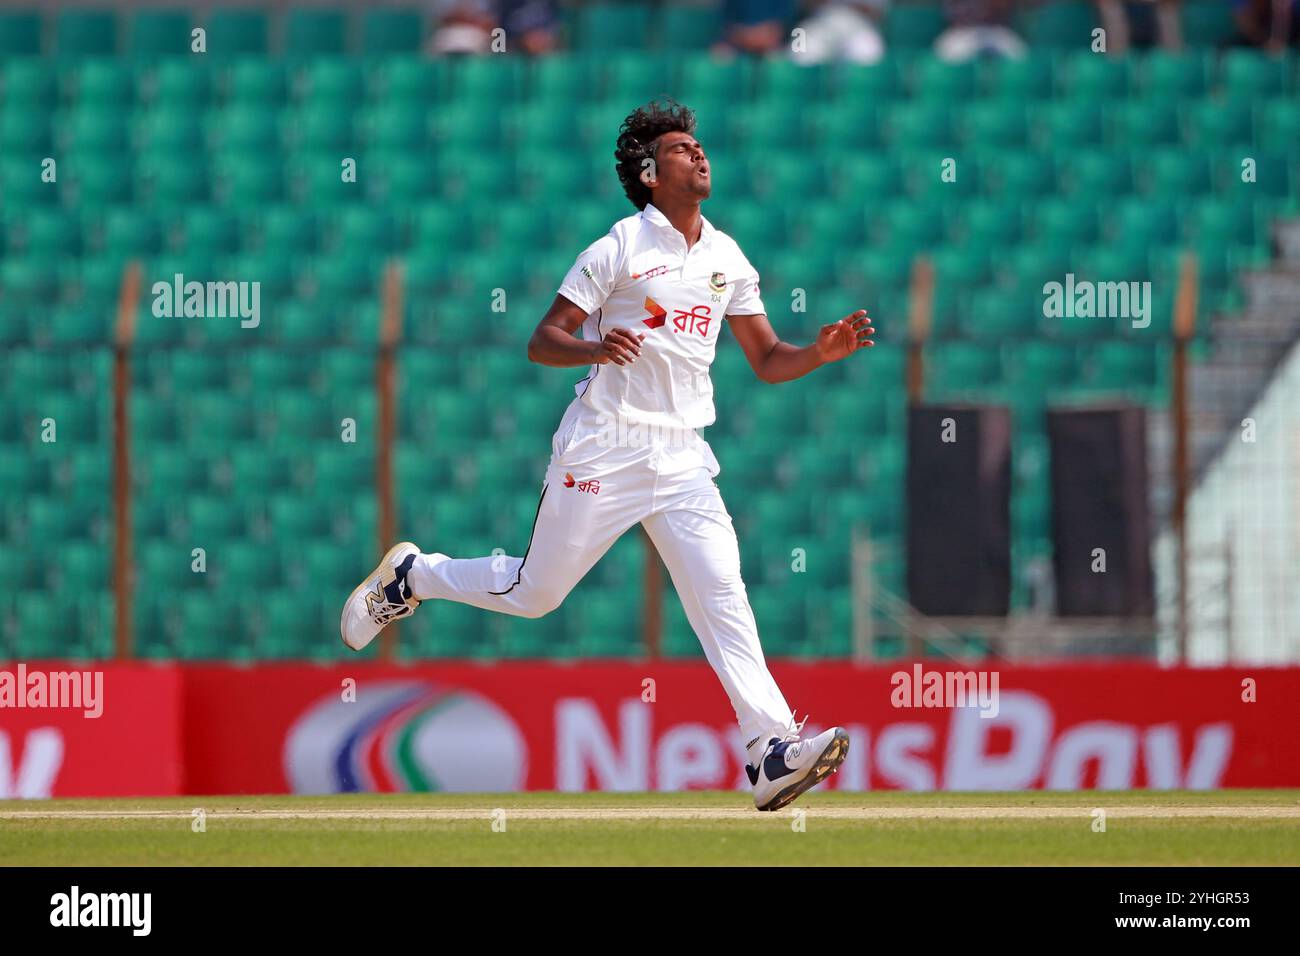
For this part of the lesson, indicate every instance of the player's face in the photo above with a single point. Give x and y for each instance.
(681, 166)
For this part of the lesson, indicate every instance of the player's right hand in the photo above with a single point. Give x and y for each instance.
(620, 346)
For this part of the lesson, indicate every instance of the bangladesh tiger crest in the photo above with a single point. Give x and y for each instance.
(717, 282)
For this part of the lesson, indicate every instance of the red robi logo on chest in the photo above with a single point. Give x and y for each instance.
(657, 314)
(696, 319)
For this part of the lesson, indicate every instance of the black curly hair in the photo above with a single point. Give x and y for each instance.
(638, 139)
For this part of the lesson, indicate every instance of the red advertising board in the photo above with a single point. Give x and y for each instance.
(668, 726)
(81, 730)
(301, 728)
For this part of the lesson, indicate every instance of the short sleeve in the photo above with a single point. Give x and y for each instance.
(745, 299)
(591, 279)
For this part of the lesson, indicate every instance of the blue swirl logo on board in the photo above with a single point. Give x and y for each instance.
(405, 736)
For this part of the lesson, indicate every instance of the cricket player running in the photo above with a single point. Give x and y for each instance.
(649, 298)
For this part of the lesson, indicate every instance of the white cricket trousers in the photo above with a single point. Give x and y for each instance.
(600, 482)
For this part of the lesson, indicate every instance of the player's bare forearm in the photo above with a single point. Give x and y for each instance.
(786, 362)
(553, 342)
(557, 348)
(775, 361)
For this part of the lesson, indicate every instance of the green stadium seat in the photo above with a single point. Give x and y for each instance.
(254, 82)
(702, 79)
(911, 228)
(865, 84)
(1066, 221)
(327, 566)
(236, 32)
(1097, 78)
(322, 127)
(131, 232)
(935, 79)
(1279, 124)
(563, 76)
(50, 521)
(1206, 23)
(314, 32)
(206, 628)
(1021, 79)
(913, 26)
(20, 475)
(349, 469)
(961, 365)
(51, 233)
(1122, 365)
(44, 633)
(29, 86)
(159, 33)
(1062, 26)
(1225, 221)
(919, 124)
(413, 80)
(91, 130)
(1000, 313)
(1003, 122)
(78, 325)
(330, 81)
(1174, 172)
(171, 181)
(398, 126)
(1214, 125)
(84, 32)
(173, 129)
(20, 33)
(389, 31)
(1088, 173)
(249, 181)
(1249, 74)
(1070, 123)
(684, 26)
(214, 416)
(293, 517)
(1037, 366)
(792, 82)
(1144, 123)
(1175, 76)
(177, 84)
(614, 26)
(22, 185)
(1018, 175)
(488, 81)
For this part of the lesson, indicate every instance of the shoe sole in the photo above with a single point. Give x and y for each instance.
(386, 562)
(826, 764)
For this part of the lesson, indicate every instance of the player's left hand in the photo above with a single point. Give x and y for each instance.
(839, 339)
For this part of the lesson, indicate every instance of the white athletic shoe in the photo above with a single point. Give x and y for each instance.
(382, 597)
(789, 766)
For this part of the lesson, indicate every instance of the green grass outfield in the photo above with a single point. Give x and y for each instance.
(1259, 827)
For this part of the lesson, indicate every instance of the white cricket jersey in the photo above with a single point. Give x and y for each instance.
(641, 277)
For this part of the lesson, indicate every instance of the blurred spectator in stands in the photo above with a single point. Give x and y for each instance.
(530, 25)
(1140, 24)
(757, 27)
(842, 30)
(464, 26)
(977, 28)
(1268, 24)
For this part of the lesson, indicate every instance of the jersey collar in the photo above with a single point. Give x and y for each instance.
(653, 216)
